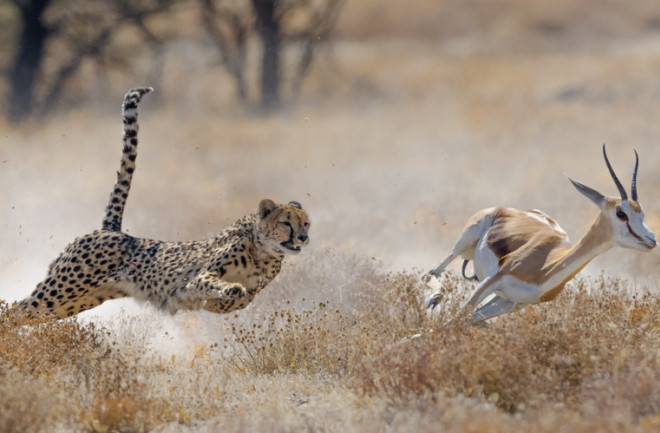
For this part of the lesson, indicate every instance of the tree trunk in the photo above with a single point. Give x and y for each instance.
(28, 59)
(269, 30)
(232, 56)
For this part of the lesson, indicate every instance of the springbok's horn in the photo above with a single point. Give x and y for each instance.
(633, 189)
(622, 191)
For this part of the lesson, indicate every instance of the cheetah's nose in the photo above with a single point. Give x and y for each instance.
(302, 238)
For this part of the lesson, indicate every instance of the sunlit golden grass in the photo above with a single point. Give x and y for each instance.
(588, 360)
(585, 344)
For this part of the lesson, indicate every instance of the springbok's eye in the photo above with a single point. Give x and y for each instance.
(621, 215)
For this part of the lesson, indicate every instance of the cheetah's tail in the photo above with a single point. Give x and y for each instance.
(115, 208)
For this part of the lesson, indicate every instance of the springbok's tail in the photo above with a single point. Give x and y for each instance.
(115, 209)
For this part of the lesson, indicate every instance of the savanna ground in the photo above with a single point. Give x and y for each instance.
(422, 113)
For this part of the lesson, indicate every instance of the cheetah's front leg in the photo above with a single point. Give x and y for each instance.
(232, 296)
(219, 296)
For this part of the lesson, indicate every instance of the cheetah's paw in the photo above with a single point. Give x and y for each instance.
(235, 291)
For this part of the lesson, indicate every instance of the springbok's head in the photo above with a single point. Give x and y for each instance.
(625, 215)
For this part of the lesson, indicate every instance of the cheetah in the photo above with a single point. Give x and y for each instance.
(220, 274)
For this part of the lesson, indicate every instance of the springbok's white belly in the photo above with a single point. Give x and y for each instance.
(518, 291)
(485, 261)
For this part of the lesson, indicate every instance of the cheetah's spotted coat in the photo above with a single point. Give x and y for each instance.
(221, 274)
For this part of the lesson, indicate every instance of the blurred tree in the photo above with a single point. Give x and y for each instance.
(305, 23)
(228, 28)
(268, 24)
(58, 36)
(29, 57)
(67, 32)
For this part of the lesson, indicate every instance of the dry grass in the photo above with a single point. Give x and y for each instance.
(588, 361)
(455, 107)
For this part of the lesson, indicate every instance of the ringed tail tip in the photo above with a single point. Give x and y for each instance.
(141, 91)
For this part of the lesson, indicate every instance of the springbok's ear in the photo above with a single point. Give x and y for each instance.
(593, 195)
(295, 204)
(266, 207)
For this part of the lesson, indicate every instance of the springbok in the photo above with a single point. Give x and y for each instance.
(523, 257)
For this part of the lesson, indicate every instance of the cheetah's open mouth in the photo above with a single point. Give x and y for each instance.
(288, 245)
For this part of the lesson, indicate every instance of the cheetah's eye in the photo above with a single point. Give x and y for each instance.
(621, 215)
(287, 223)
(306, 224)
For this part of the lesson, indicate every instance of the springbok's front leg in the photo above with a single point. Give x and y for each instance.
(493, 308)
(485, 289)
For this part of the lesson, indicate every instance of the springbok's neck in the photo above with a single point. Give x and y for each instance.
(571, 260)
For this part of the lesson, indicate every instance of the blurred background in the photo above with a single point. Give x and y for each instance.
(391, 122)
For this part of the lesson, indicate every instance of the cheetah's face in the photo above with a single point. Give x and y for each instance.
(283, 228)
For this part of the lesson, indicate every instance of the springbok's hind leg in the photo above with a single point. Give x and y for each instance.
(465, 246)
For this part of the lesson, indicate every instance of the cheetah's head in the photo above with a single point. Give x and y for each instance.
(283, 228)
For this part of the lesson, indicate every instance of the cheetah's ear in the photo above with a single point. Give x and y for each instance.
(295, 204)
(266, 207)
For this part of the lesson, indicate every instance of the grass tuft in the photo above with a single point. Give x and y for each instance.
(590, 354)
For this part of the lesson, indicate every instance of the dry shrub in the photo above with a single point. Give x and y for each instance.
(42, 345)
(61, 371)
(33, 354)
(595, 343)
(592, 354)
(29, 404)
(330, 337)
(289, 341)
(581, 346)
(127, 412)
